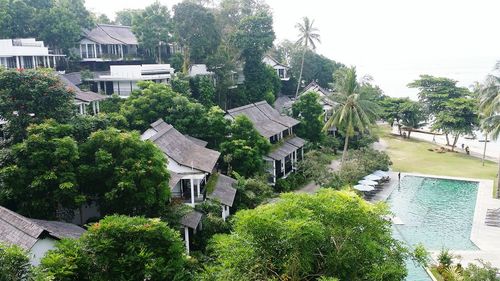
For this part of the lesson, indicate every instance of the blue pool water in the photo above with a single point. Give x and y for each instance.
(435, 212)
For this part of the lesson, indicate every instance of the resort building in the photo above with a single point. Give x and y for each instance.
(87, 102)
(108, 42)
(287, 148)
(26, 53)
(324, 97)
(189, 162)
(35, 236)
(281, 69)
(122, 79)
(224, 193)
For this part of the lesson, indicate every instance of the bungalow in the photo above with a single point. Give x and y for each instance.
(278, 129)
(26, 53)
(122, 79)
(189, 162)
(87, 102)
(35, 236)
(224, 193)
(281, 69)
(108, 42)
(324, 97)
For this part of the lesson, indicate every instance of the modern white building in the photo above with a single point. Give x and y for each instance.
(108, 42)
(35, 236)
(26, 53)
(122, 79)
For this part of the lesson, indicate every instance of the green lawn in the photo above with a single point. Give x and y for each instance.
(413, 156)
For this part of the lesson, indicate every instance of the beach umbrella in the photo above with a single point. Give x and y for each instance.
(363, 188)
(373, 177)
(368, 182)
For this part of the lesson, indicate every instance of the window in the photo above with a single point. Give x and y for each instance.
(281, 73)
(83, 48)
(91, 51)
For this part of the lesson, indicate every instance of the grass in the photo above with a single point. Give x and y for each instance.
(413, 156)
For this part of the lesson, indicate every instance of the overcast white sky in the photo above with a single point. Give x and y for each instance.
(392, 40)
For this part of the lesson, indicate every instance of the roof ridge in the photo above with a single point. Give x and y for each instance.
(240, 108)
(24, 219)
(109, 34)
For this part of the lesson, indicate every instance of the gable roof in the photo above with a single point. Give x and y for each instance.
(266, 120)
(180, 148)
(16, 229)
(224, 191)
(191, 219)
(269, 60)
(111, 34)
(313, 86)
(85, 96)
(287, 148)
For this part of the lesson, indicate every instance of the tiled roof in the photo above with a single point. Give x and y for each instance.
(112, 34)
(16, 229)
(191, 219)
(224, 191)
(180, 148)
(287, 148)
(85, 96)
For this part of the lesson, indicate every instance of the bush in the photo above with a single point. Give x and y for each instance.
(14, 263)
(292, 182)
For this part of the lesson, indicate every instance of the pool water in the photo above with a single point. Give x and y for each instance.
(435, 212)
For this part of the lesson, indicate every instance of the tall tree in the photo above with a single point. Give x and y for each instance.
(30, 97)
(254, 37)
(196, 30)
(309, 111)
(308, 37)
(354, 111)
(490, 107)
(412, 115)
(153, 28)
(307, 237)
(119, 248)
(126, 175)
(42, 178)
(125, 17)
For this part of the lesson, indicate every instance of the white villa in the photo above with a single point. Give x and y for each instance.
(122, 79)
(281, 69)
(35, 236)
(278, 129)
(26, 53)
(108, 42)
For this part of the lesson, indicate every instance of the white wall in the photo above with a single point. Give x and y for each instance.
(40, 248)
(7, 49)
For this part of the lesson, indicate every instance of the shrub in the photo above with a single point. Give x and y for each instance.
(292, 182)
(14, 263)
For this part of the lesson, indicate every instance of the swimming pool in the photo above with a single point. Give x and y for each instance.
(435, 212)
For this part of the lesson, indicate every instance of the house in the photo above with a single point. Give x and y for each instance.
(189, 163)
(26, 53)
(122, 79)
(191, 222)
(224, 193)
(283, 104)
(324, 98)
(35, 236)
(108, 42)
(281, 69)
(278, 129)
(87, 102)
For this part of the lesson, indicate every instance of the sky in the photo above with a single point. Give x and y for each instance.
(394, 41)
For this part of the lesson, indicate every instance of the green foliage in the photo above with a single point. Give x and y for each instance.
(308, 37)
(308, 111)
(203, 90)
(152, 26)
(14, 263)
(30, 97)
(482, 272)
(251, 192)
(412, 115)
(42, 176)
(84, 125)
(111, 104)
(196, 30)
(315, 167)
(181, 85)
(445, 258)
(243, 150)
(459, 117)
(293, 182)
(421, 255)
(391, 109)
(303, 235)
(119, 248)
(126, 17)
(126, 174)
(176, 61)
(216, 127)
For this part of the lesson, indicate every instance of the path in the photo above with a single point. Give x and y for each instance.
(312, 187)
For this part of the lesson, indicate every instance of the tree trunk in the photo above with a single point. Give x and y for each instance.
(159, 53)
(346, 144)
(399, 129)
(409, 132)
(484, 149)
(301, 69)
(455, 142)
(447, 139)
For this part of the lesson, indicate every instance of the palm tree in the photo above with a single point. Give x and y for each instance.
(308, 36)
(354, 111)
(490, 106)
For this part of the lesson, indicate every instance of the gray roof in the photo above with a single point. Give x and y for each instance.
(174, 178)
(16, 229)
(266, 120)
(85, 96)
(287, 148)
(191, 219)
(197, 141)
(111, 34)
(283, 104)
(180, 148)
(224, 191)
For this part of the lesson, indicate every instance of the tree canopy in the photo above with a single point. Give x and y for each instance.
(308, 111)
(119, 248)
(303, 236)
